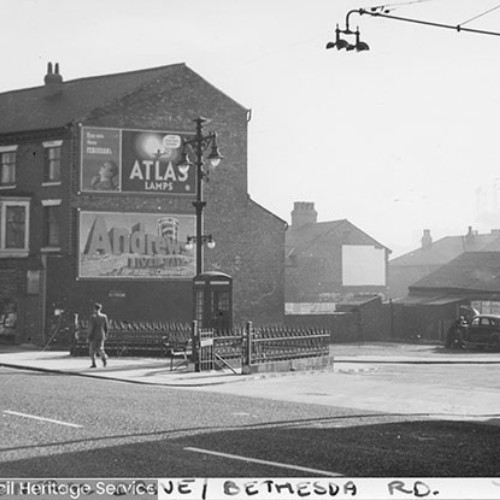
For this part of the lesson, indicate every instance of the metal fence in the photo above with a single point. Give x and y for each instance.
(136, 338)
(210, 349)
(250, 347)
(272, 344)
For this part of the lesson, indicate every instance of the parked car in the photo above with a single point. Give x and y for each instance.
(482, 331)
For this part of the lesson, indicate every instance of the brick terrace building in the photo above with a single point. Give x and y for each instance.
(94, 206)
(411, 267)
(329, 262)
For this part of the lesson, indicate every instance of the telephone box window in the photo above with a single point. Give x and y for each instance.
(199, 297)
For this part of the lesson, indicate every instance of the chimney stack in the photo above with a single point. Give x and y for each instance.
(53, 80)
(303, 213)
(469, 237)
(426, 239)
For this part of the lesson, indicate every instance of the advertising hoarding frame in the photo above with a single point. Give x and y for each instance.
(98, 240)
(105, 153)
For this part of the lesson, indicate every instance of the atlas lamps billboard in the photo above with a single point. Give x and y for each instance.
(134, 161)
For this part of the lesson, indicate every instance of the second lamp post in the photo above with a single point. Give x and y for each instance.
(197, 146)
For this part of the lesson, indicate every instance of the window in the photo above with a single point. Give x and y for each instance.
(199, 301)
(51, 224)
(14, 227)
(8, 166)
(484, 322)
(52, 166)
(15, 223)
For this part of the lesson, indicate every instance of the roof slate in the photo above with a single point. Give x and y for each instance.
(301, 238)
(478, 271)
(40, 108)
(446, 249)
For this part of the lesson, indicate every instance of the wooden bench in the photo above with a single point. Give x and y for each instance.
(178, 348)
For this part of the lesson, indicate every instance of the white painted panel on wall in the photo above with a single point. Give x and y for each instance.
(363, 265)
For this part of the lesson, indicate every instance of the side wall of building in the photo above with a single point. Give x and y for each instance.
(315, 273)
(249, 239)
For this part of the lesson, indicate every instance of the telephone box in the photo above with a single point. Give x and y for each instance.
(213, 300)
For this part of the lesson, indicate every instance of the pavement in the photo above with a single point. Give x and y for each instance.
(345, 358)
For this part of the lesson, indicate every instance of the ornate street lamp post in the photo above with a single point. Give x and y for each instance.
(198, 146)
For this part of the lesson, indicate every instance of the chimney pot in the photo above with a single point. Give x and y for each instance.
(303, 213)
(426, 239)
(53, 79)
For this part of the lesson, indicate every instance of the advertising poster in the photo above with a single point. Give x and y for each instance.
(134, 161)
(135, 245)
(100, 159)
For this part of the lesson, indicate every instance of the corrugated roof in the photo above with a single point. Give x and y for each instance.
(478, 271)
(446, 249)
(38, 108)
(438, 300)
(358, 299)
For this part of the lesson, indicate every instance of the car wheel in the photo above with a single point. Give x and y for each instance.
(495, 339)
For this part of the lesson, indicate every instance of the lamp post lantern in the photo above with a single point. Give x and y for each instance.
(197, 146)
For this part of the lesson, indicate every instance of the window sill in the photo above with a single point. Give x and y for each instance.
(50, 249)
(51, 183)
(10, 253)
(8, 186)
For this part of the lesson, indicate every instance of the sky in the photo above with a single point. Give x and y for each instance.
(396, 139)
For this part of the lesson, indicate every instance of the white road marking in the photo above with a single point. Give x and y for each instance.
(265, 462)
(42, 418)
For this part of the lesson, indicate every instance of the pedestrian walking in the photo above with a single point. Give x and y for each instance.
(456, 334)
(98, 330)
(461, 328)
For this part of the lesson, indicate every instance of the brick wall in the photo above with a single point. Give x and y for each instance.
(249, 240)
(251, 250)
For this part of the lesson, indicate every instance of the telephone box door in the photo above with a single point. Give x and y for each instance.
(213, 300)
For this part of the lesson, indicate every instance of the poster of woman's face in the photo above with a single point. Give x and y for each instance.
(100, 159)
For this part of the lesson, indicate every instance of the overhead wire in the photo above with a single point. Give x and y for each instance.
(392, 6)
(384, 11)
(480, 15)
